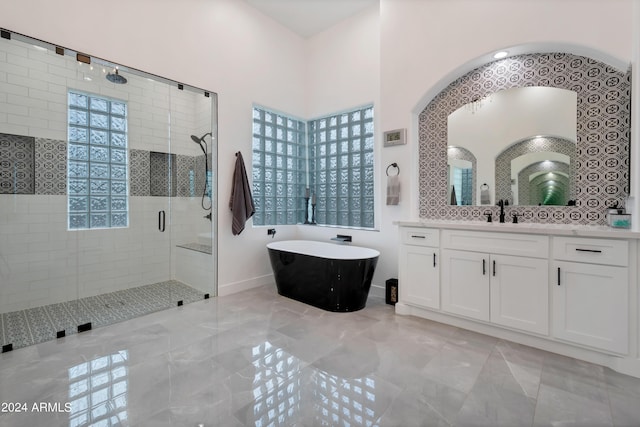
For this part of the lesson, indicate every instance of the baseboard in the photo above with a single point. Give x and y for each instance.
(377, 291)
(243, 285)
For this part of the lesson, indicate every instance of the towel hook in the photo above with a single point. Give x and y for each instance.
(395, 165)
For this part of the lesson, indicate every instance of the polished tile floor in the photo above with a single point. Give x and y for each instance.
(258, 359)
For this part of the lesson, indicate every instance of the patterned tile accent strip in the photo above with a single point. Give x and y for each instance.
(163, 174)
(17, 164)
(39, 166)
(603, 134)
(34, 325)
(139, 165)
(51, 166)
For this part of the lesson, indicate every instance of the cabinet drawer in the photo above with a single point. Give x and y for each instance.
(530, 245)
(594, 251)
(420, 236)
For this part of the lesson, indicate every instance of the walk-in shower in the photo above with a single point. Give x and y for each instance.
(100, 193)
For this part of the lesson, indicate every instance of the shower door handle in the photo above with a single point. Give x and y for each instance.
(161, 221)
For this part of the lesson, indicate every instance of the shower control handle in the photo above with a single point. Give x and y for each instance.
(162, 221)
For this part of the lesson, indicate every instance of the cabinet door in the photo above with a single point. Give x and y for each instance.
(465, 283)
(520, 293)
(590, 305)
(419, 281)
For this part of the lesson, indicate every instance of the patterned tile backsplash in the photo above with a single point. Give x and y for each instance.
(603, 134)
(31, 165)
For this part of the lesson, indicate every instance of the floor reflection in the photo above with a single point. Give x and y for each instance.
(349, 404)
(98, 391)
(287, 390)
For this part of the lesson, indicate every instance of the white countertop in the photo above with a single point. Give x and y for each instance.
(527, 228)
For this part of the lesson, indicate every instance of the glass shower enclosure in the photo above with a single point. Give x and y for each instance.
(107, 198)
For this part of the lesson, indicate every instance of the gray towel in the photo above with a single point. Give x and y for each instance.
(241, 202)
(393, 190)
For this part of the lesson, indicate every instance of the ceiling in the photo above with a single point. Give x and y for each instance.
(310, 17)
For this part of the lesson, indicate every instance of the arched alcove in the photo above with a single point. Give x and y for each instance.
(602, 130)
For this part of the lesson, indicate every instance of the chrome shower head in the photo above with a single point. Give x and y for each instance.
(200, 142)
(116, 78)
(201, 139)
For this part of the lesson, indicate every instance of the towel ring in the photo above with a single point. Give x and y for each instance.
(484, 186)
(395, 165)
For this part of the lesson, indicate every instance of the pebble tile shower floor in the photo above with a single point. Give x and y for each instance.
(35, 325)
(256, 358)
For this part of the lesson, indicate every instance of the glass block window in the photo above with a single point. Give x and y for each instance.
(279, 168)
(341, 168)
(97, 162)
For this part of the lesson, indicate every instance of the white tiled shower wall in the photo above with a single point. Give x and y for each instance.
(41, 262)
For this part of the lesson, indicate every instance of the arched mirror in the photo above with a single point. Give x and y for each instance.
(513, 129)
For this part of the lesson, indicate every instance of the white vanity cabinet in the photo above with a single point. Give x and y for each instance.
(568, 289)
(591, 292)
(419, 273)
(482, 279)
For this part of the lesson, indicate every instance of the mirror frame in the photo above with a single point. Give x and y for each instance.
(603, 134)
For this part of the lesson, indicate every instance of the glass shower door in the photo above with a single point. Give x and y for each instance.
(193, 141)
(118, 195)
(103, 182)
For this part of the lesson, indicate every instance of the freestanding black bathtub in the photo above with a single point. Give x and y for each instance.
(326, 275)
